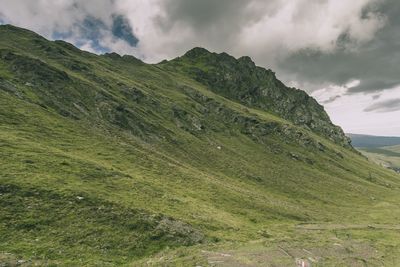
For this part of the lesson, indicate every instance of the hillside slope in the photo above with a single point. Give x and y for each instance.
(107, 160)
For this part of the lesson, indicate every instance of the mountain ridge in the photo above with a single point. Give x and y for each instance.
(241, 80)
(279, 99)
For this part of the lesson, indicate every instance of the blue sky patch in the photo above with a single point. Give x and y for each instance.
(123, 30)
(92, 30)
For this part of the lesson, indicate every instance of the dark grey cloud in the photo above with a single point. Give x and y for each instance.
(370, 85)
(215, 24)
(375, 97)
(384, 106)
(203, 14)
(376, 63)
(206, 15)
(331, 99)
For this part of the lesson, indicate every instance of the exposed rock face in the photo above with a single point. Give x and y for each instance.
(243, 81)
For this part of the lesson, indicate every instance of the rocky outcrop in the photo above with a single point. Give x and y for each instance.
(241, 80)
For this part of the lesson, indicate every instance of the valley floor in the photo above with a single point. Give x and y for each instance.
(388, 157)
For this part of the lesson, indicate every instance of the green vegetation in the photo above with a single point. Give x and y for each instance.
(106, 160)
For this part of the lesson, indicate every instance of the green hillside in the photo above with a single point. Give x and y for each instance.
(204, 160)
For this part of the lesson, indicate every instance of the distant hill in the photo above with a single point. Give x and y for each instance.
(384, 150)
(362, 140)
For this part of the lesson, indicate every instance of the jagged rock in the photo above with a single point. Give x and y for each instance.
(243, 81)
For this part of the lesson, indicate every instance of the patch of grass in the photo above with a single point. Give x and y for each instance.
(64, 226)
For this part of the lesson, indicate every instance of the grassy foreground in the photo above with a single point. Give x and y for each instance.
(107, 161)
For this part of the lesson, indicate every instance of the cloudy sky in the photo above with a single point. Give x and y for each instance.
(344, 53)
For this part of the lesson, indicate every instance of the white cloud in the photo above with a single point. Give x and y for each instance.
(305, 24)
(348, 111)
(155, 44)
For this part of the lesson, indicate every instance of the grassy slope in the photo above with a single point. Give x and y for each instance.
(113, 181)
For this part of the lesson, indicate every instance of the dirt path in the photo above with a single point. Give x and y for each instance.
(282, 255)
(347, 226)
(314, 245)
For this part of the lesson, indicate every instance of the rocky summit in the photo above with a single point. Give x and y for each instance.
(202, 160)
(241, 80)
